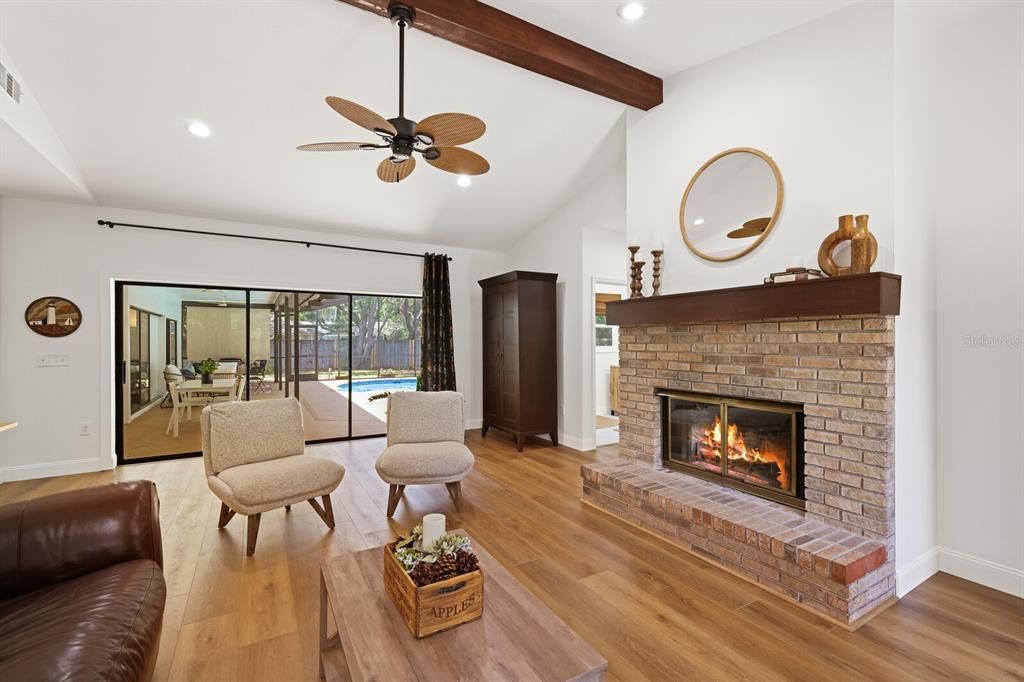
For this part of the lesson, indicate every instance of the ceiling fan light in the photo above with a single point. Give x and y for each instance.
(464, 181)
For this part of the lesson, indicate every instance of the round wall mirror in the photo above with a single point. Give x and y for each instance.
(731, 204)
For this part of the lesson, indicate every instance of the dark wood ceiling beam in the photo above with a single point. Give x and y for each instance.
(488, 30)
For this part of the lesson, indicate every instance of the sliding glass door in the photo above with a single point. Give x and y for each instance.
(339, 354)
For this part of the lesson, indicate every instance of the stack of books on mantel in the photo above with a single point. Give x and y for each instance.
(793, 275)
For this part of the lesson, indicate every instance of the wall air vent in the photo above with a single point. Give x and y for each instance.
(9, 84)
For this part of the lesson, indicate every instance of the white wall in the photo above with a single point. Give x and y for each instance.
(817, 99)
(58, 249)
(870, 110)
(916, 457)
(574, 242)
(978, 147)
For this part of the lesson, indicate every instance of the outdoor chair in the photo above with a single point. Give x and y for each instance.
(426, 444)
(254, 455)
(258, 373)
(181, 405)
(172, 375)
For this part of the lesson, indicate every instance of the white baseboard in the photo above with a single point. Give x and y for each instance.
(23, 472)
(474, 423)
(917, 571)
(982, 571)
(578, 444)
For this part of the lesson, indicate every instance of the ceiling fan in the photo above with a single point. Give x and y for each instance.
(436, 138)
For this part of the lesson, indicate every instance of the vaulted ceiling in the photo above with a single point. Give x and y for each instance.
(119, 82)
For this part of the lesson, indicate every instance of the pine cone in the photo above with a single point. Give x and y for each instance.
(424, 573)
(465, 562)
(446, 567)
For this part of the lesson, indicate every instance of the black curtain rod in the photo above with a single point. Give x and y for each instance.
(307, 244)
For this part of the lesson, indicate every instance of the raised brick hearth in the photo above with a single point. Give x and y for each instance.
(837, 556)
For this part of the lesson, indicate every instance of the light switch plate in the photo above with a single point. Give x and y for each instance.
(51, 360)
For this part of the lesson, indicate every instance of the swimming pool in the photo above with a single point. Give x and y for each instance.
(379, 385)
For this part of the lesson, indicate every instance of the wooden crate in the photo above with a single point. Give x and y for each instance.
(436, 607)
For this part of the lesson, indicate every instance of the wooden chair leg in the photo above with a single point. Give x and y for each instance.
(326, 512)
(394, 494)
(252, 530)
(287, 507)
(455, 490)
(329, 516)
(226, 513)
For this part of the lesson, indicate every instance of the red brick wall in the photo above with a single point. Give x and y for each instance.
(840, 369)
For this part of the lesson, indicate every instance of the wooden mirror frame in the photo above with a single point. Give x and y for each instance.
(779, 194)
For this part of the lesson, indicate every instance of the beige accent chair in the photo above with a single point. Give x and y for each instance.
(426, 444)
(254, 454)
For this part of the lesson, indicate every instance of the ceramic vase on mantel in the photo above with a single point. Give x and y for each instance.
(863, 247)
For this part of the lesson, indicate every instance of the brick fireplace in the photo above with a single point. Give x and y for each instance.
(837, 555)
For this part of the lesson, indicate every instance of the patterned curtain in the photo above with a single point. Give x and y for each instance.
(438, 371)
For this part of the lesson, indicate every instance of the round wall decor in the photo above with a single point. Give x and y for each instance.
(53, 316)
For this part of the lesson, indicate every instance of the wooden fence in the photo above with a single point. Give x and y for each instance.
(333, 355)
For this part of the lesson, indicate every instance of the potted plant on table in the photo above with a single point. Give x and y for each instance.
(207, 367)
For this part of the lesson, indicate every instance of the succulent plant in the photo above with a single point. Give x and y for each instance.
(450, 556)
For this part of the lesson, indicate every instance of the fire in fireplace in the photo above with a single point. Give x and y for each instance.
(755, 446)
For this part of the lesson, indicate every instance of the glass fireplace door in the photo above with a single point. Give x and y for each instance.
(748, 444)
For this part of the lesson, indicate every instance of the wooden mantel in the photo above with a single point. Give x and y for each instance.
(874, 293)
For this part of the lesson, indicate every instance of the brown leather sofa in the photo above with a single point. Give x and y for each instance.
(81, 585)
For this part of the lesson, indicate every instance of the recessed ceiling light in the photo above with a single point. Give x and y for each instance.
(698, 221)
(199, 129)
(631, 11)
(464, 181)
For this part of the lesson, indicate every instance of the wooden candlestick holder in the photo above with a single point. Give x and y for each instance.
(637, 280)
(656, 272)
(635, 277)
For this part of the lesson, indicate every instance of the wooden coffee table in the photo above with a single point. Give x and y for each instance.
(518, 637)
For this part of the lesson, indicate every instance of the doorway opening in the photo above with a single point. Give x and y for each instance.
(606, 363)
(339, 354)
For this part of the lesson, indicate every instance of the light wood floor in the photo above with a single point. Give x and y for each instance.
(324, 416)
(654, 611)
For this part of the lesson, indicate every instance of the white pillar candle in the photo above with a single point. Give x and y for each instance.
(433, 529)
(657, 242)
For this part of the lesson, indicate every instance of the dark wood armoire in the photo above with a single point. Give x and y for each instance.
(520, 373)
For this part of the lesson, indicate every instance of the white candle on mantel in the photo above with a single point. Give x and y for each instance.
(657, 242)
(433, 529)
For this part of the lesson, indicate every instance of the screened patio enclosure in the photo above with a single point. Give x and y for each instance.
(337, 353)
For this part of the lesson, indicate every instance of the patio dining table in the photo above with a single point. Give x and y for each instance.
(189, 389)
